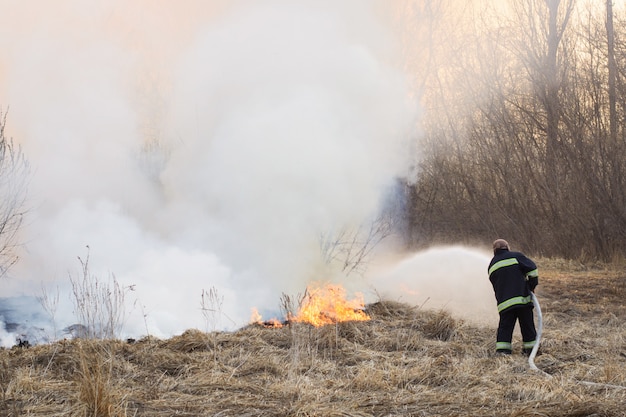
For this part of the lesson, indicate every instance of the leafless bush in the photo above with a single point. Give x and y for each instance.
(211, 306)
(50, 302)
(14, 172)
(290, 305)
(352, 246)
(302, 336)
(99, 306)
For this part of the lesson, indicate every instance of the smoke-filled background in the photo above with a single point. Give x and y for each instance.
(205, 145)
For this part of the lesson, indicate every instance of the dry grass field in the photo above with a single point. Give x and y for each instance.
(405, 361)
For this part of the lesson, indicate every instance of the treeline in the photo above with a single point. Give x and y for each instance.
(524, 132)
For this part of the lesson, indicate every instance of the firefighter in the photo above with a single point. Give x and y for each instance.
(513, 277)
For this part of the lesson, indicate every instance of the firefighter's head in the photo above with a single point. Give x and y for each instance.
(500, 244)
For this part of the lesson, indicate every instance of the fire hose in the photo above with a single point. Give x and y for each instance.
(533, 353)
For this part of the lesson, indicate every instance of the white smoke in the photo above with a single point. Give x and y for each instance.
(199, 147)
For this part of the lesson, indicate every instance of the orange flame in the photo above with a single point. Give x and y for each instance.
(257, 319)
(322, 306)
(328, 305)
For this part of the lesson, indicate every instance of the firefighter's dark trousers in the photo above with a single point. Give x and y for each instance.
(524, 315)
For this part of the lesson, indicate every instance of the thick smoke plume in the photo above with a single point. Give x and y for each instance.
(197, 146)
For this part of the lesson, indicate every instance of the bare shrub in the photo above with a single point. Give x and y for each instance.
(50, 302)
(290, 305)
(14, 172)
(99, 306)
(211, 306)
(299, 334)
(351, 247)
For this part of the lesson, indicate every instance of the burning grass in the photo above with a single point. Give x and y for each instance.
(404, 361)
(321, 305)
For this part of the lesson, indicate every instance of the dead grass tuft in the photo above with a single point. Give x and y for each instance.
(388, 310)
(96, 392)
(190, 341)
(440, 326)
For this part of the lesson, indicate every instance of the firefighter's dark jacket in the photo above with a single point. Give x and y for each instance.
(513, 277)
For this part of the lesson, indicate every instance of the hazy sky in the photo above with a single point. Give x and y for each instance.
(200, 145)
